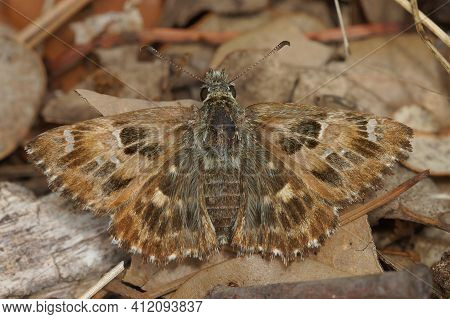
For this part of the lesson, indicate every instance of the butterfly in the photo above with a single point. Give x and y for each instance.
(178, 182)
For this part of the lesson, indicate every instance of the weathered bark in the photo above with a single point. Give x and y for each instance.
(45, 249)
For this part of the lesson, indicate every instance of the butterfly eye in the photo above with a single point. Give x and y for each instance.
(232, 90)
(204, 93)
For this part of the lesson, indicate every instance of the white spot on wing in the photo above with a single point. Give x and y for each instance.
(135, 250)
(276, 252)
(313, 243)
(322, 129)
(115, 160)
(68, 136)
(159, 199)
(371, 130)
(116, 134)
(327, 152)
(286, 193)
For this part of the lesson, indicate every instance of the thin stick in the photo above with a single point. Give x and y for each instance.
(426, 40)
(364, 209)
(427, 22)
(106, 279)
(47, 23)
(341, 24)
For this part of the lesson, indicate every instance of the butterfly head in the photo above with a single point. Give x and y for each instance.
(216, 85)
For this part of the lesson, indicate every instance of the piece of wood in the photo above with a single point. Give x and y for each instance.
(45, 246)
(410, 283)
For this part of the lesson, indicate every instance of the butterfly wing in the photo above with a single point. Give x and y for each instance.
(310, 163)
(126, 166)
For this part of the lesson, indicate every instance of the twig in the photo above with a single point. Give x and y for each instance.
(50, 21)
(18, 171)
(116, 286)
(392, 284)
(364, 209)
(426, 40)
(354, 32)
(341, 24)
(427, 22)
(437, 222)
(106, 279)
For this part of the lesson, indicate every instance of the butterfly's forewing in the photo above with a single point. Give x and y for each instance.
(315, 161)
(123, 165)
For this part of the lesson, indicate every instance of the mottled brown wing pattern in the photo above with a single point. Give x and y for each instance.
(123, 166)
(314, 162)
(169, 220)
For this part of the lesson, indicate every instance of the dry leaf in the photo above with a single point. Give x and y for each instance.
(431, 243)
(67, 109)
(110, 105)
(278, 81)
(418, 118)
(21, 71)
(223, 23)
(272, 81)
(123, 75)
(302, 52)
(421, 204)
(430, 151)
(317, 9)
(179, 12)
(400, 72)
(383, 11)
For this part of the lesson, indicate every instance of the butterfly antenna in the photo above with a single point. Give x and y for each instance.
(281, 45)
(158, 54)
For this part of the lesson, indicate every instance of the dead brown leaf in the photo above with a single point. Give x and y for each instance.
(109, 105)
(400, 72)
(123, 75)
(302, 52)
(418, 118)
(421, 204)
(431, 243)
(430, 151)
(179, 12)
(22, 86)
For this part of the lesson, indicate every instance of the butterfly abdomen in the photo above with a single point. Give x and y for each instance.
(222, 196)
